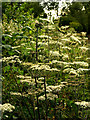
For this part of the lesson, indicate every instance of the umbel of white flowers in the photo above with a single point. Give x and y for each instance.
(43, 67)
(83, 104)
(6, 107)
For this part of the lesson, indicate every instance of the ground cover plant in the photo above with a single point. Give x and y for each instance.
(45, 73)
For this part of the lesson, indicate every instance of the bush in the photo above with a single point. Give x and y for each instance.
(77, 26)
(65, 20)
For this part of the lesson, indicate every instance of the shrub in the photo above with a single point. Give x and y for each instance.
(77, 26)
(65, 20)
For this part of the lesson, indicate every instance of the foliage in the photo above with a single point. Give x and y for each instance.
(77, 26)
(45, 69)
(75, 10)
(65, 20)
(12, 10)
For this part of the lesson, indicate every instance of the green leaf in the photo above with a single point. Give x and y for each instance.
(18, 81)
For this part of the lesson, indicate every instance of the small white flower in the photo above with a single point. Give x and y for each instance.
(66, 40)
(83, 34)
(44, 67)
(42, 98)
(65, 47)
(54, 69)
(75, 39)
(64, 27)
(16, 47)
(41, 78)
(65, 56)
(54, 53)
(73, 72)
(35, 67)
(15, 93)
(78, 57)
(67, 70)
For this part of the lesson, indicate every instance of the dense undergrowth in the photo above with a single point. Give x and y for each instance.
(45, 71)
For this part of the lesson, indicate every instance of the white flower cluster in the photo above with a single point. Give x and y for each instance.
(60, 63)
(23, 44)
(41, 57)
(84, 48)
(81, 70)
(64, 83)
(68, 35)
(81, 63)
(52, 42)
(51, 27)
(79, 38)
(27, 63)
(33, 42)
(67, 70)
(6, 107)
(21, 76)
(16, 60)
(54, 53)
(65, 56)
(83, 34)
(66, 40)
(16, 47)
(43, 67)
(71, 71)
(45, 36)
(78, 57)
(65, 47)
(9, 58)
(54, 89)
(28, 80)
(43, 43)
(15, 93)
(73, 38)
(43, 19)
(41, 78)
(29, 48)
(83, 103)
(64, 27)
(54, 69)
(18, 94)
(35, 67)
(88, 58)
(50, 96)
(85, 38)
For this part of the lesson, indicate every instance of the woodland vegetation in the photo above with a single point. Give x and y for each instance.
(45, 66)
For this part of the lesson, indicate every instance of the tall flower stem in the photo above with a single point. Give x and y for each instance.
(37, 100)
(37, 45)
(45, 97)
(55, 110)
